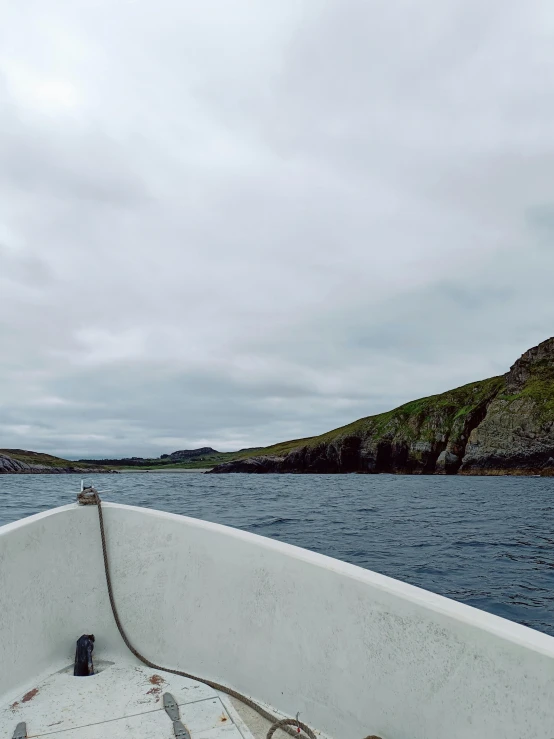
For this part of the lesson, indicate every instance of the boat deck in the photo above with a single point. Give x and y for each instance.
(125, 699)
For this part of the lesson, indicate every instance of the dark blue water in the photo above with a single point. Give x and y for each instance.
(488, 542)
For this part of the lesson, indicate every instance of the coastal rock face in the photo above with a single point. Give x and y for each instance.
(260, 465)
(517, 434)
(536, 364)
(504, 425)
(9, 465)
(447, 463)
(14, 466)
(421, 437)
(184, 455)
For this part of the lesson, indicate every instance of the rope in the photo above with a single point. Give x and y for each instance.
(285, 723)
(89, 496)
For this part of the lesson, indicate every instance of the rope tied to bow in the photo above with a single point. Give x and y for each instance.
(89, 496)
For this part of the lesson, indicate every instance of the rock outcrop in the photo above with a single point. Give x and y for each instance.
(253, 465)
(504, 425)
(517, 435)
(184, 455)
(33, 463)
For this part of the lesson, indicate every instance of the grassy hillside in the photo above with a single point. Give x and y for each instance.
(417, 419)
(425, 435)
(538, 388)
(203, 462)
(502, 424)
(40, 461)
(21, 455)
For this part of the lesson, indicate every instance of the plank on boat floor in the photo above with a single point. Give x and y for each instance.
(153, 725)
(120, 696)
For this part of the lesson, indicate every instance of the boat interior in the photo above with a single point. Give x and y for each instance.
(348, 651)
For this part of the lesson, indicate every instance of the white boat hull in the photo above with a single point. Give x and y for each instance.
(354, 652)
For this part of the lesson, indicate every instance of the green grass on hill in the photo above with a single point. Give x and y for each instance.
(37, 458)
(539, 388)
(425, 419)
(418, 419)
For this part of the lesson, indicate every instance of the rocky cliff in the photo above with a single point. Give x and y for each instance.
(517, 434)
(504, 425)
(183, 455)
(20, 461)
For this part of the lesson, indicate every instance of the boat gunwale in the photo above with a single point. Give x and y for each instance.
(513, 632)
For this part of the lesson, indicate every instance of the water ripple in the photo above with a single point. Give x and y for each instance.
(487, 542)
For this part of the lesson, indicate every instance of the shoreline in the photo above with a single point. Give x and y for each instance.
(139, 471)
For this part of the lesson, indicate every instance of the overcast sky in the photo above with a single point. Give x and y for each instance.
(233, 223)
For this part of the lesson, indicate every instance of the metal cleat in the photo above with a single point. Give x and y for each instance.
(180, 730)
(171, 707)
(20, 731)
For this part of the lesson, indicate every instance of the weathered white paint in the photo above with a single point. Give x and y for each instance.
(65, 702)
(353, 651)
(144, 726)
(65, 705)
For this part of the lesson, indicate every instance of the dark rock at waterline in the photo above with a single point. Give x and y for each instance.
(447, 463)
(252, 465)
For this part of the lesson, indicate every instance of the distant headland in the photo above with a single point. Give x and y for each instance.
(500, 426)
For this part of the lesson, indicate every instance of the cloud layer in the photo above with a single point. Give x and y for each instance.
(231, 223)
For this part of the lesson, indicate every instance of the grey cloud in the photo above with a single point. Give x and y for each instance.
(232, 225)
(540, 219)
(27, 269)
(76, 164)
